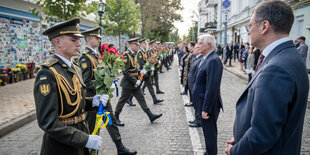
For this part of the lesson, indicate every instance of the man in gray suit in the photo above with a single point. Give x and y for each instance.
(302, 48)
(270, 112)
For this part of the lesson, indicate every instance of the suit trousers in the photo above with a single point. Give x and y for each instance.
(209, 128)
(112, 129)
(126, 94)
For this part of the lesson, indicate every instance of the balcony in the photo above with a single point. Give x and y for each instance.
(210, 3)
(210, 27)
(201, 30)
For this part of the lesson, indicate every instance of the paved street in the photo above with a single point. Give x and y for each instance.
(168, 135)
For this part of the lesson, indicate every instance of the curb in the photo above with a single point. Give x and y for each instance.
(10, 126)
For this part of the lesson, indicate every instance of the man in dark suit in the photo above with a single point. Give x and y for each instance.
(236, 52)
(206, 91)
(270, 112)
(191, 80)
(229, 50)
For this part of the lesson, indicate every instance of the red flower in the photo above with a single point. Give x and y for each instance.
(101, 57)
(104, 47)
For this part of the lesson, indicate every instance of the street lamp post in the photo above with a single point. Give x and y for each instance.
(101, 9)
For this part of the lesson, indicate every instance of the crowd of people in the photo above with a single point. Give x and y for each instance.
(269, 113)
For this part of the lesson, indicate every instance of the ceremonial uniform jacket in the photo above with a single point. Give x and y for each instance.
(141, 58)
(88, 62)
(131, 71)
(59, 93)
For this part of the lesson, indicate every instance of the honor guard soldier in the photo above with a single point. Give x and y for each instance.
(59, 93)
(141, 59)
(88, 62)
(131, 83)
(155, 76)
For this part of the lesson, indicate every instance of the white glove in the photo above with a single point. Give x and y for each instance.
(152, 68)
(97, 98)
(94, 142)
(143, 71)
(159, 62)
(119, 70)
(138, 82)
(96, 101)
(104, 99)
(112, 86)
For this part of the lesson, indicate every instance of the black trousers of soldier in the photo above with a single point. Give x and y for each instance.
(126, 94)
(112, 129)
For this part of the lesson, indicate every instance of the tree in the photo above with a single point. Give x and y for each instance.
(158, 17)
(56, 10)
(174, 36)
(122, 17)
(191, 34)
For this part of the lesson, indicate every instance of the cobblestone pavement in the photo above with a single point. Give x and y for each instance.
(16, 100)
(167, 135)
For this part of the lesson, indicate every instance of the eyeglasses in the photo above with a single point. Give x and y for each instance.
(248, 26)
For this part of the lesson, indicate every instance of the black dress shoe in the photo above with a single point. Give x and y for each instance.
(159, 92)
(188, 105)
(195, 125)
(122, 150)
(157, 101)
(130, 103)
(192, 122)
(161, 72)
(119, 123)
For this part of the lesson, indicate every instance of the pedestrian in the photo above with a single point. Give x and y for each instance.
(257, 53)
(182, 68)
(303, 48)
(242, 50)
(59, 96)
(131, 83)
(191, 80)
(88, 62)
(245, 55)
(206, 90)
(270, 112)
(236, 52)
(250, 64)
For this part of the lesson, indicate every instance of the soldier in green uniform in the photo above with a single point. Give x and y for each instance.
(59, 93)
(131, 83)
(88, 62)
(153, 44)
(142, 58)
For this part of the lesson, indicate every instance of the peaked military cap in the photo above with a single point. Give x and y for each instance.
(92, 32)
(133, 40)
(157, 42)
(152, 41)
(143, 40)
(70, 27)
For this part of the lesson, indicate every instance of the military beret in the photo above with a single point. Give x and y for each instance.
(70, 27)
(92, 32)
(133, 40)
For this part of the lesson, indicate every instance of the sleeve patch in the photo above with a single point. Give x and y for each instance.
(43, 77)
(45, 89)
(84, 65)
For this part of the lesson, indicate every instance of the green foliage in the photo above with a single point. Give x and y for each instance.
(56, 10)
(190, 33)
(106, 71)
(122, 17)
(174, 36)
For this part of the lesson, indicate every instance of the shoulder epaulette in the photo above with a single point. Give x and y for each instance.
(85, 52)
(50, 62)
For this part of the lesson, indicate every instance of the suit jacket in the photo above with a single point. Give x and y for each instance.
(206, 90)
(270, 112)
(193, 72)
(303, 51)
(229, 50)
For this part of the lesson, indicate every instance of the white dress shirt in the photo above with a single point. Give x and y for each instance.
(68, 62)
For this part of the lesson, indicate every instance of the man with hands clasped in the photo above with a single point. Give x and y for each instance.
(59, 93)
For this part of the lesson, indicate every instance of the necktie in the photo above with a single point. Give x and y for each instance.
(260, 60)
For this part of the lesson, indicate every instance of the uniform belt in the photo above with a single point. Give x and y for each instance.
(74, 120)
(133, 73)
